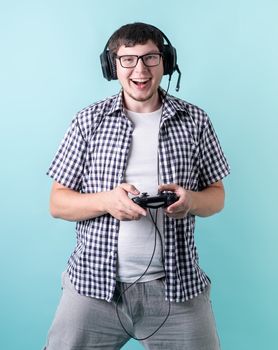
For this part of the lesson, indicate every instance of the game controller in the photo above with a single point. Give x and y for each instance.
(162, 199)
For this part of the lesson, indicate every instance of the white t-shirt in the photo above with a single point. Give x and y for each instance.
(137, 237)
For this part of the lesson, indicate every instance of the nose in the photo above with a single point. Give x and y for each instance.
(140, 66)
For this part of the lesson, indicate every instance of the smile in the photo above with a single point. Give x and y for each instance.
(140, 82)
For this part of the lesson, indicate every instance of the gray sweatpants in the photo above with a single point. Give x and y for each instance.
(83, 323)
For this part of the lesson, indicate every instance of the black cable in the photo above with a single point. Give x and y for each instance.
(143, 274)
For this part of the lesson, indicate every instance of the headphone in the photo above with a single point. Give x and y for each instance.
(169, 60)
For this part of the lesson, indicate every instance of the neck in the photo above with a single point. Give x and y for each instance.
(153, 103)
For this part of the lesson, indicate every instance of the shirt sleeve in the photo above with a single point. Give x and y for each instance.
(213, 163)
(68, 163)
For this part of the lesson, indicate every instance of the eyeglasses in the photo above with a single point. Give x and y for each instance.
(149, 60)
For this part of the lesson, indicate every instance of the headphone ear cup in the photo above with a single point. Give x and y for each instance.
(112, 65)
(169, 59)
(108, 66)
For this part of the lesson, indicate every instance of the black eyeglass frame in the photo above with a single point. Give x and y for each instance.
(142, 58)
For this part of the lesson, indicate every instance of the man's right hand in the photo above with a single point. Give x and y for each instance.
(117, 203)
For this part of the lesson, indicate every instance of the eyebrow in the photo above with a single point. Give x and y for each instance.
(147, 53)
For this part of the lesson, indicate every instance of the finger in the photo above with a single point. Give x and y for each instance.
(167, 187)
(129, 188)
(134, 209)
(177, 206)
(138, 210)
(177, 213)
(174, 210)
(127, 213)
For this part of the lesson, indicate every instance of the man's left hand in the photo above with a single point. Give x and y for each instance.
(182, 206)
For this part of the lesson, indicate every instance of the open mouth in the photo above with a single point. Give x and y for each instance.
(140, 82)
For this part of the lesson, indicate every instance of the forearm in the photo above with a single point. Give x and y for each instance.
(207, 202)
(74, 206)
(71, 205)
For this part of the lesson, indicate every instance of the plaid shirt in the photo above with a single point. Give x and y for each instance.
(93, 157)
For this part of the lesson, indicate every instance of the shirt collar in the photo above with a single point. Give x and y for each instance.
(170, 104)
(117, 103)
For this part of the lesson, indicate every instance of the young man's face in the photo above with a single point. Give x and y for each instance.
(140, 84)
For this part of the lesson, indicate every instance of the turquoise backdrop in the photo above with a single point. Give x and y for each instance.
(227, 52)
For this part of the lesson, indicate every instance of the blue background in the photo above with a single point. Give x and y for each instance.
(227, 52)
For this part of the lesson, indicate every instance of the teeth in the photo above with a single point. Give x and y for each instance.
(140, 80)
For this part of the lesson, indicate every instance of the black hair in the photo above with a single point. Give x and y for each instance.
(135, 33)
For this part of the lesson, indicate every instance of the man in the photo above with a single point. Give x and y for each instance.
(120, 283)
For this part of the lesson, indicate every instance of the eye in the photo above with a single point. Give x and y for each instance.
(128, 59)
(150, 57)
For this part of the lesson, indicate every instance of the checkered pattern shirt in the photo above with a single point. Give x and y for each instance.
(93, 157)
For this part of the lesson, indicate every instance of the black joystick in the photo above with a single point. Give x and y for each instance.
(162, 199)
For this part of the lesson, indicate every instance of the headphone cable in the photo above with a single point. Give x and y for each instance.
(155, 239)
